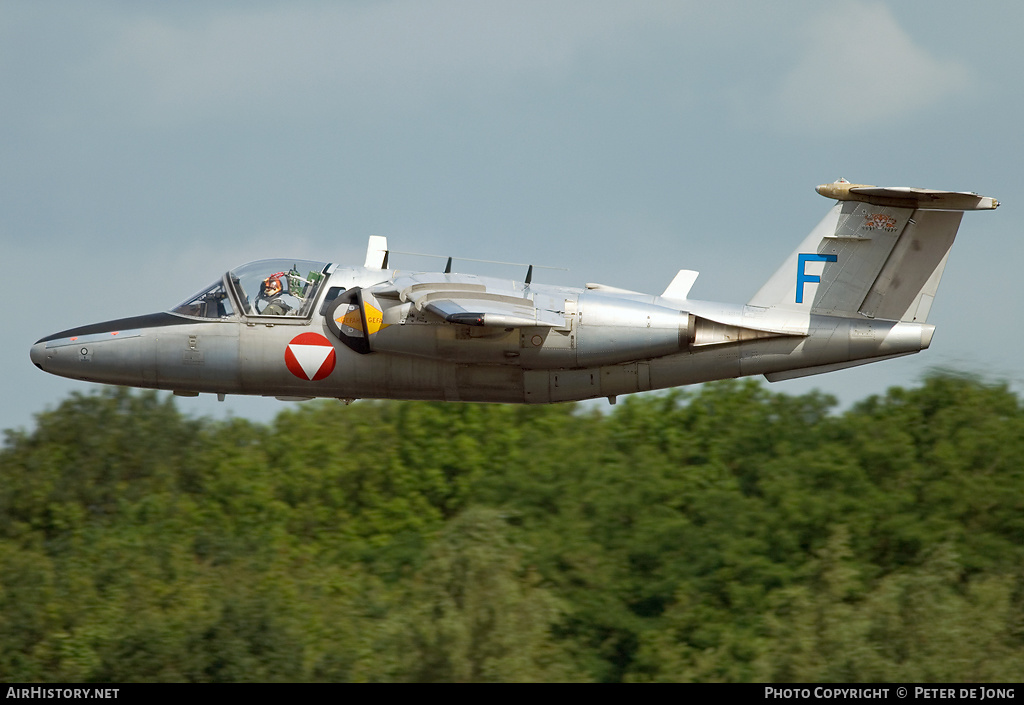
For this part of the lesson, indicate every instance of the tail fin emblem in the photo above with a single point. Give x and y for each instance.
(880, 221)
(804, 278)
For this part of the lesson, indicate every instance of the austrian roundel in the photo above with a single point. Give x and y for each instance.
(310, 356)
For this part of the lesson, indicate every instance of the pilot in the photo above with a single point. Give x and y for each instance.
(271, 292)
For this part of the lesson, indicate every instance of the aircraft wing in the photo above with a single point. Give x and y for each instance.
(465, 299)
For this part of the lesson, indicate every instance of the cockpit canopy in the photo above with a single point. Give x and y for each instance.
(270, 287)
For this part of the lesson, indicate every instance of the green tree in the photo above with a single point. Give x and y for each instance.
(476, 612)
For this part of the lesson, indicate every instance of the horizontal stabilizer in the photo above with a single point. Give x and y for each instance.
(905, 197)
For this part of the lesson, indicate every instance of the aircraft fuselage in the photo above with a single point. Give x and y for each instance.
(607, 347)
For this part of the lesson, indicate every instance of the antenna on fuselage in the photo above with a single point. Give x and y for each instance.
(529, 275)
(470, 259)
(448, 267)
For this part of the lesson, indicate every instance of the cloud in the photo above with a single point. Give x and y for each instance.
(859, 68)
(312, 58)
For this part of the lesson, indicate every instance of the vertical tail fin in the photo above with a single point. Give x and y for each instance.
(879, 253)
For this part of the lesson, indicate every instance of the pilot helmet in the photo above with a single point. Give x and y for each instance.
(272, 286)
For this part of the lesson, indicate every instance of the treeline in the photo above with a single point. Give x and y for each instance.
(726, 534)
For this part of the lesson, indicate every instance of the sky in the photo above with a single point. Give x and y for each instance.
(147, 147)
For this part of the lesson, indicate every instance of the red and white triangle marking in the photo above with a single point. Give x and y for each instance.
(310, 356)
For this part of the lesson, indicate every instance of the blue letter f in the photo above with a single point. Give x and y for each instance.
(802, 278)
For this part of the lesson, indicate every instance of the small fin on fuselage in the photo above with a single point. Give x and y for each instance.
(679, 287)
(376, 252)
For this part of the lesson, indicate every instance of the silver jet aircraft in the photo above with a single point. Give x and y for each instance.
(858, 289)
